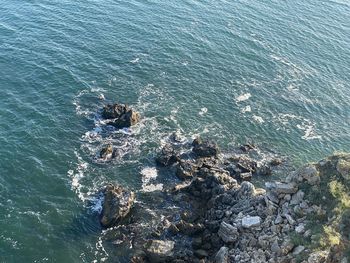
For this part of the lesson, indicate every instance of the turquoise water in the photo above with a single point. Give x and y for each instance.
(274, 72)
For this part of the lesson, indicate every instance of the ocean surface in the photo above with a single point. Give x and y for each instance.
(276, 73)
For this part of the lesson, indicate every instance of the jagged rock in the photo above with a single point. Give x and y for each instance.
(185, 169)
(159, 250)
(247, 147)
(282, 188)
(246, 165)
(228, 233)
(123, 115)
(106, 151)
(189, 228)
(205, 148)
(275, 248)
(318, 257)
(343, 167)
(246, 176)
(167, 156)
(222, 255)
(297, 198)
(251, 221)
(117, 204)
(247, 190)
(310, 174)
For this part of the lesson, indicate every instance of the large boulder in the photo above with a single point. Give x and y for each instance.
(205, 148)
(122, 115)
(159, 250)
(117, 204)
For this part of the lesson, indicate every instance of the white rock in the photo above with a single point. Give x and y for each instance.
(251, 221)
(298, 250)
(300, 228)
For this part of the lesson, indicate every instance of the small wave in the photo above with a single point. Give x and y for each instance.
(243, 97)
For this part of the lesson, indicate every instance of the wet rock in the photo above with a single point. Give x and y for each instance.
(159, 250)
(228, 233)
(106, 151)
(222, 255)
(185, 169)
(247, 147)
(246, 165)
(117, 204)
(167, 156)
(246, 176)
(251, 221)
(205, 148)
(122, 115)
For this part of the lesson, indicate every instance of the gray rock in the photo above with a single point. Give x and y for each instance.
(106, 151)
(159, 250)
(251, 221)
(300, 229)
(318, 257)
(167, 156)
(205, 149)
(297, 198)
(297, 250)
(282, 188)
(310, 174)
(343, 167)
(122, 115)
(228, 233)
(201, 253)
(222, 255)
(117, 204)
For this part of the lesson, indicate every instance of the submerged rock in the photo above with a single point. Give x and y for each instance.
(116, 206)
(122, 115)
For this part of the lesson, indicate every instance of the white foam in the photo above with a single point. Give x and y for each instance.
(97, 203)
(203, 111)
(135, 60)
(246, 109)
(258, 119)
(150, 174)
(243, 97)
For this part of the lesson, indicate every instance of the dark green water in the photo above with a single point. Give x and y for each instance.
(275, 72)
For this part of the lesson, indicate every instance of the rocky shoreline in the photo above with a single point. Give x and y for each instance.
(303, 218)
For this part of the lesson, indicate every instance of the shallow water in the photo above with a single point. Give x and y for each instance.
(275, 73)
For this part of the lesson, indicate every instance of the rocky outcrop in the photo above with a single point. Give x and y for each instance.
(116, 206)
(159, 250)
(167, 156)
(121, 115)
(205, 148)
